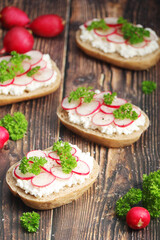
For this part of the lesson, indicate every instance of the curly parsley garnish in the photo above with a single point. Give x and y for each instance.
(84, 92)
(108, 98)
(125, 111)
(148, 86)
(30, 221)
(33, 71)
(16, 125)
(98, 24)
(9, 69)
(63, 149)
(133, 33)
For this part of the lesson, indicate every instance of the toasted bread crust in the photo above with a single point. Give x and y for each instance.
(39, 92)
(65, 195)
(113, 141)
(134, 63)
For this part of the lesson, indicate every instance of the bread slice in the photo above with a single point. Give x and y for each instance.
(113, 141)
(65, 195)
(134, 63)
(39, 92)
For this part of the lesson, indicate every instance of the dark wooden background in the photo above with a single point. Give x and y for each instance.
(93, 215)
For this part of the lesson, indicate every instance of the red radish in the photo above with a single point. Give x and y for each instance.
(139, 45)
(152, 37)
(107, 110)
(23, 80)
(46, 170)
(138, 218)
(43, 75)
(43, 179)
(7, 83)
(4, 136)
(102, 119)
(42, 64)
(112, 22)
(115, 38)
(36, 153)
(57, 172)
(6, 58)
(59, 163)
(86, 109)
(70, 105)
(20, 175)
(123, 123)
(36, 57)
(26, 67)
(105, 33)
(86, 24)
(119, 32)
(117, 102)
(137, 110)
(73, 151)
(12, 16)
(47, 25)
(17, 39)
(82, 168)
(53, 155)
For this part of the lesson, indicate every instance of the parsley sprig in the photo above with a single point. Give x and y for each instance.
(108, 98)
(80, 92)
(125, 111)
(133, 33)
(33, 71)
(63, 149)
(16, 125)
(148, 86)
(30, 221)
(34, 166)
(98, 24)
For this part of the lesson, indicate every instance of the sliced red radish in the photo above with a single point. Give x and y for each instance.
(107, 110)
(119, 32)
(137, 110)
(6, 58)
(43, 179)
(42, 64)
(100, 95)
(53, 155)
(123, 123)
(57, 172)
(43, 75)
(36, 153)
(88, 23)
(139, 45)
(20, 175)
(117, 102)
(102, 119)
(152, 37)
(66, 105)
(82, 168)
(86, 109)
(73, 151)
(7, 83)
(26, 67)
(36, 56)
(105, 33)
(23, 80)
(112, 22)
(115, 38)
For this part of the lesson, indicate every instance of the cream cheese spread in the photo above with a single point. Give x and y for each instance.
(19, 90)
(57, 184)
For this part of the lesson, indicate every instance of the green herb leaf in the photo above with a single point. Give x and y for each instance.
(30, 221)
(148, 86)
(84, 92)
(125, 111)
(33, 71)
(63, 149)
(108, 98)
(16, 125)
(98, 24)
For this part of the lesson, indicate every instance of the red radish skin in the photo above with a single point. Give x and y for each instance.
(4, 136)
(7, 83)
(18, 174)
(12, 16)
(36, 153)
(138, 218)
(47, 25)
(17, 39)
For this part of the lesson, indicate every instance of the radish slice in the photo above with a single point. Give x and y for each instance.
(36, 153)
(105, 33)
(107, 110)
(23, 80)
(7, 83)
(88, 23)
(20, 175)
(86, 109)
(43, 179)
(45, 170)
(53, 155)
(119, 32)
(102, 119)
(112, 22)
(42, 64)
(137, 110)
(115, 38)
(82, 168)
(70, 105)
(139, 45)
(123, 123)
(26, 66)
(73, 151)
(117, 102)
(100, 95)
(57, 172)
(36, 56)
(6, 58)
(152, 37)
(43, 75)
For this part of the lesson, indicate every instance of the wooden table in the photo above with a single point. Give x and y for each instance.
(93, 215)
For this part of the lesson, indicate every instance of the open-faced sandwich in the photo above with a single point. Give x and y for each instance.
(54, 177)
(119, 42)
(102, 117)
(27, 76)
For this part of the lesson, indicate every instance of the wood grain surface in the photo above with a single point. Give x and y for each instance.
(92, 217)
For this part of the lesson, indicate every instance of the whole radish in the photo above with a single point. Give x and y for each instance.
(12, 16)
(17, 39)
(4, 136)
(47, 25)
(138, 218)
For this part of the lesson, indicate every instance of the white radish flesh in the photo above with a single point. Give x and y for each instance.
(82, 168)
(43, 75)
(101, 95)
(107, 110)
(7, 83)
(117, 102)
(53, 155)
(66, 105)
(6, 58)
(105, 33)
(137, 110)
(112, 21)
(36, 56)
(26, 67)
(123, 123)
(115, 38)
(57, 172)
(102, 119)
(139, 45)
(43, 179)
(42, 64)
(86, 109)
(23, 80)
(20, 175)
(36, 153)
